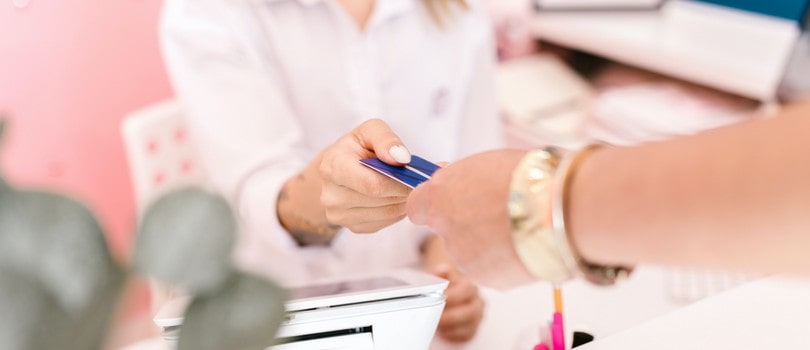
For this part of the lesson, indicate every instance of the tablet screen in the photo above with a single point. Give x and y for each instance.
(345, 287)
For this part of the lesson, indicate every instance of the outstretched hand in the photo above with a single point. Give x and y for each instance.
(354, 196)
(466, 203)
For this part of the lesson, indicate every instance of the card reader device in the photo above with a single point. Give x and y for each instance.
(394, 311)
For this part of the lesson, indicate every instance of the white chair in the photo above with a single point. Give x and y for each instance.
(160, 153)
(161, 157)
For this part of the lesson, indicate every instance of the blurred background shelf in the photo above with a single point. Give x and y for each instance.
(740, 52)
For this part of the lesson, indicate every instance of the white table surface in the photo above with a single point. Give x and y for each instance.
(734, 51)
(772, 313)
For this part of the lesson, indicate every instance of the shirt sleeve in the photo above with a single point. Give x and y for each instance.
(237, 112)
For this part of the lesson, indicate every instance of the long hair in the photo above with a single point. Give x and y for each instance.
(441, 9)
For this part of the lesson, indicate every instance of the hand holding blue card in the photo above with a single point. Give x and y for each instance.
(412, 174)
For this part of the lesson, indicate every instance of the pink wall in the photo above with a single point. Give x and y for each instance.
(69, 71)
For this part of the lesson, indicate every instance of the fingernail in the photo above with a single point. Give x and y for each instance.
(400, 154)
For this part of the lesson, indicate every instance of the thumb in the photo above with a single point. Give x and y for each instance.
(376, 136)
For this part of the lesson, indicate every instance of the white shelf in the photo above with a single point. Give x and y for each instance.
(735, 51)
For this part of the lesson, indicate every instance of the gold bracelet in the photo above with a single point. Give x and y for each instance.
(537, 205)
(529, 211)
(597, 274)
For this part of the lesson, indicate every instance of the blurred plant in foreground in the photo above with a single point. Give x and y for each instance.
(59, 285)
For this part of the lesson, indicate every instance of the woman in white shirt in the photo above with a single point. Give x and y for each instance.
(270, 85)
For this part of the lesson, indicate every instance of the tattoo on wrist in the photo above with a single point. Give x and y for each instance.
(304, 231)
(313, 235)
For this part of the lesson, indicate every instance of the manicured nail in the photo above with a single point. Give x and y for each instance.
(400, 154)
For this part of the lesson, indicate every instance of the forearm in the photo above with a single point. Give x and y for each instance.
(300, 210)
(737, 197)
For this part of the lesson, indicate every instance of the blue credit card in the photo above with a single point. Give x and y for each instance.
(412, 174)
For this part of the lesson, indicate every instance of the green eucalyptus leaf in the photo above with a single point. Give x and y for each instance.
(244, 315)
(58, 243)
(59, 286)
(91, 329)
(30, 317)
(186, 239)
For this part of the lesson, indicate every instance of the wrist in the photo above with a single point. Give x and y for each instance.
(305, 222)
(568, 170)
(586, 222)
(539, 209)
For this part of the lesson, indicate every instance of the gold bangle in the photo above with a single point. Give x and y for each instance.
(597, 274)
(530, 219)
(538, 200)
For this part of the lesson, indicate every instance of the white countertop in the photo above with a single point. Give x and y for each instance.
(772, 313)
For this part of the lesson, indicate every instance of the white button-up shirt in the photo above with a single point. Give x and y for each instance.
(267, 84)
